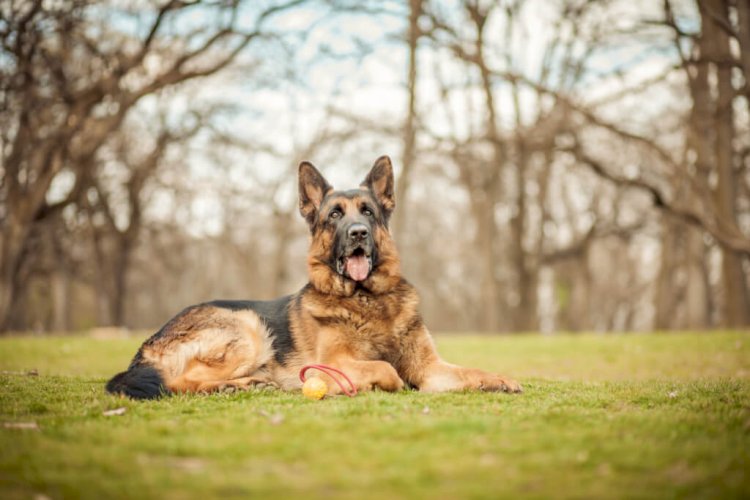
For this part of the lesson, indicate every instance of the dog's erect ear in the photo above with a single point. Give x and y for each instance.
(380, 182)
(312, 189)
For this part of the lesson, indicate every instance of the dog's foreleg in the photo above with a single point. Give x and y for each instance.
(422, 366)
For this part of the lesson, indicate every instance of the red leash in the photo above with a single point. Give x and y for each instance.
(331, 372)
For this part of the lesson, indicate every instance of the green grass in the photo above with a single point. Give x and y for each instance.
(620, 416)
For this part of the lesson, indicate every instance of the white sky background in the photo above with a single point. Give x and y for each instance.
(286, 114)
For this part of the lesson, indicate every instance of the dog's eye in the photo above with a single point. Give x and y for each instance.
(367, 212)
(335, 214)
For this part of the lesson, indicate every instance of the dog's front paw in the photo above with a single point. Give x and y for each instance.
(392, 383)
(498, 383)
(385, 377)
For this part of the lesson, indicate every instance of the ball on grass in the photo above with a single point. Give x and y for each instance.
(314, 388)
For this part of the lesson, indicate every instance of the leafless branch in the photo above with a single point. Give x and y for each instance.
(730, 238)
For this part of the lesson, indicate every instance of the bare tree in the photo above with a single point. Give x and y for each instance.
(64, 93)
(549, 196)
(116, 221)
(502, 169)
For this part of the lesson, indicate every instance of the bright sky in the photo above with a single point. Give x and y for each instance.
(330, 72)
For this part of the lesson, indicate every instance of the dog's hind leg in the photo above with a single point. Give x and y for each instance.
(211, 349)
(206, 379)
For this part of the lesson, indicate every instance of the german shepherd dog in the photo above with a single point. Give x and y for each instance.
(356, 314)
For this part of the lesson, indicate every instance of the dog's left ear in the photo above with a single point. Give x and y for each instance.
(380, 182)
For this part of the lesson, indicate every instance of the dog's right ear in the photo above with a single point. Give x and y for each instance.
(312, 189)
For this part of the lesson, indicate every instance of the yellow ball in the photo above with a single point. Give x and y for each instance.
(314, 388)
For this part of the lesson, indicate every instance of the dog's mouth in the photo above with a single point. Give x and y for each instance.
(356, 265)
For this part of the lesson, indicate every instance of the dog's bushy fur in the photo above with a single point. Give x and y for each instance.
(357, 313)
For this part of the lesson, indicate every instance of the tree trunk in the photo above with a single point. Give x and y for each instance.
(709, 137)
(60, 295)
(489, 290)
(120, 266)
(697, 293)
(733, 277)
(525, 317)
(489, 176)
(527, 282)
(697, 297)
(102, 287)
(6, 301)
(664, 297)
(283, 224)
(15, 233)
(743, 37)
(682, 299)
(410, 129)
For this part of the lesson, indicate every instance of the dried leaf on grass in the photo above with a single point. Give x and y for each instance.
(32, 426)
(28, 373)
(116, 412)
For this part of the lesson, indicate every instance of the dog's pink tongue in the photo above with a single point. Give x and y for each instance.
(357, 267)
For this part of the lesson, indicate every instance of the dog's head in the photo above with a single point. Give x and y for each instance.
(351, 245)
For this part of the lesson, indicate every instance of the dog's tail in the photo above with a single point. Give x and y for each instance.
(140, 381)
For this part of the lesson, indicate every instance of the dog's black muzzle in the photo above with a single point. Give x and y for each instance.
(355, 256)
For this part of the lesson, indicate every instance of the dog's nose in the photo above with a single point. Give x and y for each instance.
(358, 232)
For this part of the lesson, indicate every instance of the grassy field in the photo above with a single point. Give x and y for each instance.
(619, 416)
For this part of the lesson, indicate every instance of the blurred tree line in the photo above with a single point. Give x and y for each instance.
(564, 165)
